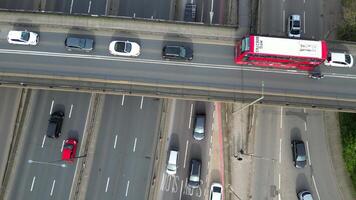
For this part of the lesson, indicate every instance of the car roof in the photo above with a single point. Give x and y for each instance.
(66, 154)
(338, 57)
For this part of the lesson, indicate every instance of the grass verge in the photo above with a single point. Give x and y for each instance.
(347, 30)
(348, 137)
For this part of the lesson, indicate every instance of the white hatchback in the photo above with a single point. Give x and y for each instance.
(339, 60)
(23, 37)
(216, 191)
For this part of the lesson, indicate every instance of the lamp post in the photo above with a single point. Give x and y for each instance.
(46, 163)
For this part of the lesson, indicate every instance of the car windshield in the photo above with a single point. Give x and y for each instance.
(245, 44)
(171, 167)
(217, 189)
(68, 146)
(301, 158)
(194, 178)
(128, 47)
(294, 32)
(348, 58)
(182, 52)
(25, 36)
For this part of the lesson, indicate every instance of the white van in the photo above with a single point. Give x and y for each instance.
(172, 162)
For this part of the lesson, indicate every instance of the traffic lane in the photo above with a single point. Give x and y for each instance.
(266, 168)
(313, 20)
(324, 182)
(272, 20)
(127, 132)
(45, 152)
(9, 104)
(171, 186)
(294, 180)
(64, 6)
(179, 73)
(157, 9)
(150, 49)
(29, 5)
(199, 150)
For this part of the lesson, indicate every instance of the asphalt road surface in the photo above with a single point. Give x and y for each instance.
(124, 151)
(273, 165)
(275, 13)
(174, 187)
(45, 177)
(9, 104)
(212, 66)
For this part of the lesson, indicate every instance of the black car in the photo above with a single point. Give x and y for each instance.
(83, 44)
(299, 155)
(194, 173)
(55, 124)
(177, 53)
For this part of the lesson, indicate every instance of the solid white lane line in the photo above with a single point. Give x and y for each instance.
(127, 188)
(33, 182)
(305, 126)
(141, 103)
(50, 111)
(281, 121)
(284, 20)
(89, 6)
(280, 150)
(305, 110)
(190, 115)
(304, 22)
(54, 182)
(62, 145)
(185, 155)
(316, 188)
(43, 141)
(115, 142)
(134, 148)
(70, 112)
(211, 139)
(279, 181)
(71, 7)
(107, 184)
(309, 159)
(181, 190)
(123, 99)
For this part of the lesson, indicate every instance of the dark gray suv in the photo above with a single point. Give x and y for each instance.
(299, 155)
(83, 44)
(194, 174)
(177, 53)
(55, 124)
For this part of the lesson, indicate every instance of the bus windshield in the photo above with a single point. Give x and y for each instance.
(245, 44)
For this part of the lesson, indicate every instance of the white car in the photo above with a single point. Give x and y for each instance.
(216, 191)
(294, 26)
(305, 195)
(124, 48)
(23, 37)
(339, 60)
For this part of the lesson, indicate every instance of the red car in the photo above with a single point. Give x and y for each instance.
(69, 150)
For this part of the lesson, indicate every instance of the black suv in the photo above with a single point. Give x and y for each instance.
(299, 156)
(177, 53)
(84, 44)
(55, 124)
(194, 174)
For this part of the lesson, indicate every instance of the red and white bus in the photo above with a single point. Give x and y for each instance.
(280, 52)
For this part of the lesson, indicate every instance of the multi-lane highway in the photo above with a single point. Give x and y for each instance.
(124, 148)
(274, 173)
(47, 176)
